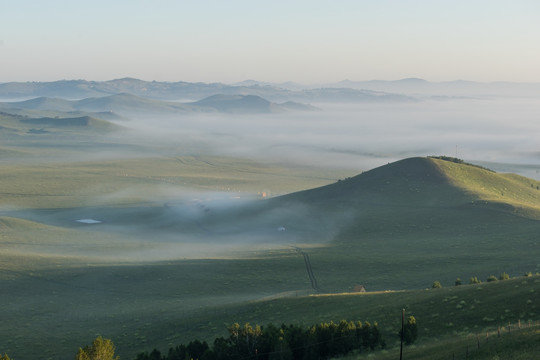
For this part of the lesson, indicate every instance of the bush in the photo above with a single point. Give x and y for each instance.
(491, 278)
(436, 285)
(474, 280)
(504, 276)
(458, 282)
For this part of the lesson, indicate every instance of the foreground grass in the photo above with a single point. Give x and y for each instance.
(142, 306)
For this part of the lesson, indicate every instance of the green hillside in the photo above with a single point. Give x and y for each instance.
(137, 279)
(398, 225)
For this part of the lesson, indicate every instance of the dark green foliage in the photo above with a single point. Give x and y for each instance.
(410, 331)
(436, 285)
(458, 282)
(474, 280)
(504, 276)
(492, 278)
(322, 341)
(101, 349)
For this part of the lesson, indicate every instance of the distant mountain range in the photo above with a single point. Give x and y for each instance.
(185, 91)
(128, 104)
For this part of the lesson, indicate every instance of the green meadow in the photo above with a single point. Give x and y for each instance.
(189, 244)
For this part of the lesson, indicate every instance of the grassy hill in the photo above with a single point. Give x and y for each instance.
(136, 279)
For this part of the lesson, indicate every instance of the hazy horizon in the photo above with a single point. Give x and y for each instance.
(304, 42)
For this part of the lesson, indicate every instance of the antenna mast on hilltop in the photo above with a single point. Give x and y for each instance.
(456, 151)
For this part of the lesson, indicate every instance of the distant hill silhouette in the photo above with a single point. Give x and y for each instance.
(83, 121)
(186, 91)
(249, 104)
(128, 104)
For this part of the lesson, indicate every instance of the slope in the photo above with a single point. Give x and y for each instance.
(414, 221)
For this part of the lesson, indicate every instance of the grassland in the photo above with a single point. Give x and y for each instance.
(171, 263)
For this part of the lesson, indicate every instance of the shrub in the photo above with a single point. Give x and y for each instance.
(458, 282)
(504, 276)
(436, 285)
(474, 280)
(491, 278)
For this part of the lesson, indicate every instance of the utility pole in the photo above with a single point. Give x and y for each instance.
(402, 334)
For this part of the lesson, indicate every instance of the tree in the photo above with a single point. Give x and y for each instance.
(492, 278)
(504, 276)
(410, 331)
(101, 349)
(245, 339)
(5, 357)
(436, 285)
(458, 282)
(474, 280)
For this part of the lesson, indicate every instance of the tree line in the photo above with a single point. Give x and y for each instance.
(322, 341)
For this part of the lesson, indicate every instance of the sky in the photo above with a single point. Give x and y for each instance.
(308, 42)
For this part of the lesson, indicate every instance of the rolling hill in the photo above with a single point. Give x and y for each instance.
(397, 227)
(128, 104)
(404, 223)
(249, 104)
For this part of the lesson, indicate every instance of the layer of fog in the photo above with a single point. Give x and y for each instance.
(363, 136)
(498, 133)
(190, 224)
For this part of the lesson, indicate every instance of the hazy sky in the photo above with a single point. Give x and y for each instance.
(304, 41)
